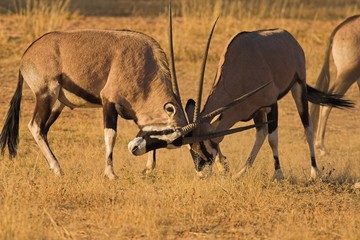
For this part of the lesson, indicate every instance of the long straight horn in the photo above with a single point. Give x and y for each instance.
(174, 82)
(201, 80)
(208, 117)
(190, 140)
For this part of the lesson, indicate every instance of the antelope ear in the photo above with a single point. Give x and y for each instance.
(189, 110)
(170, 109)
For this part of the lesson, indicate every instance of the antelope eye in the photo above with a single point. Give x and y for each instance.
(170, 109)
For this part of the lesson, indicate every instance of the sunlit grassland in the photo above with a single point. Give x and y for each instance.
(172, 203)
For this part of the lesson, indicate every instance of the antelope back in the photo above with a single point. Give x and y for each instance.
(124, 67)
(346, 45)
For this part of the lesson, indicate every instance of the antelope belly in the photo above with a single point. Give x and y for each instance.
(72, 100)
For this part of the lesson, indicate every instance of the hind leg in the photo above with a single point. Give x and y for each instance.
(43, 117)
(272, 117)
(299, 94)
(324, 113)
(261, 133)
(339, 87)
(55, 113)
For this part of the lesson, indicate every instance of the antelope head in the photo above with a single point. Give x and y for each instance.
(197, 133)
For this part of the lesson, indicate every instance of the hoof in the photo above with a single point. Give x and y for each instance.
(146, 171)
(315, 173)
(278, 175)
(109, 173)
(322, 149)
(111, 177)
(323, 152)
(57, 171)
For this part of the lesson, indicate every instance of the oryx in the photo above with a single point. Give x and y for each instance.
(270, 61)
(344, 46)
(124, 72)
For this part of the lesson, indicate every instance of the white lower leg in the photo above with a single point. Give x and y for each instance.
(260, 137)
(45, 149)
(310, 139)
(110, 137)
(150, 163)
(273, 142)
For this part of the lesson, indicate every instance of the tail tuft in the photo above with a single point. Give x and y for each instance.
(334, 100)
(10, 133)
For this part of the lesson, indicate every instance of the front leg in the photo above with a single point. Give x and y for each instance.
(151, 163)
(110, 126)
(221, 162)
(261, 133)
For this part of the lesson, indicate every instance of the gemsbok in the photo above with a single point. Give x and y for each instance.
(124, 72)
(273, 63)
(344, 46)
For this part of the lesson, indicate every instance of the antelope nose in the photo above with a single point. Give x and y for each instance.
(137, 146)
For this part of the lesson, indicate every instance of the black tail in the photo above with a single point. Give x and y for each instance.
(10, 132)
(321, 98)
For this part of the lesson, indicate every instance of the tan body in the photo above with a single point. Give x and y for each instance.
(86, 67)
(124, 72)
(344, 47)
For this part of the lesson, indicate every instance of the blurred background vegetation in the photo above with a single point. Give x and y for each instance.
(300, 9)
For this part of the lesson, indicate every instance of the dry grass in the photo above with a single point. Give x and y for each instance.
(172, 203)
(40, 16)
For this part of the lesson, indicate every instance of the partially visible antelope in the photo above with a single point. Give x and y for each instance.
(250, 61)
(344, 46)
(124, 72)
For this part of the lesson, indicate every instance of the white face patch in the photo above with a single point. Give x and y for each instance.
(137, 146)
(156, 128)
(168, 137)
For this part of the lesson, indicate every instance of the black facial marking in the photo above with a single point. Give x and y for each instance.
(153, 144)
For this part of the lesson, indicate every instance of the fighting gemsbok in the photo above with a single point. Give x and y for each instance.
(344, 46)
(124, 72)
(273, 63)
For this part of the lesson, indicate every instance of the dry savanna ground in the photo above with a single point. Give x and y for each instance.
(172, 203)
